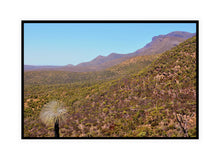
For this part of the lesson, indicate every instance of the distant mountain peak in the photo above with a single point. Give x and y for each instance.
(159, 44)
(180, 34)
(112, 54)
(157, 37)
(100, 56)
(69, 65)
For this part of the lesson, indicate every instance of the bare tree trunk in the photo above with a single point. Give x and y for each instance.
(56, 129)
(183, 125)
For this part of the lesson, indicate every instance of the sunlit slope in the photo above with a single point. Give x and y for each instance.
(148, 103)
(127, 67)
(145, 97)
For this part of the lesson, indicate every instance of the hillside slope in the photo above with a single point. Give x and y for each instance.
(127, 67)
(150, 103)
(156, 101)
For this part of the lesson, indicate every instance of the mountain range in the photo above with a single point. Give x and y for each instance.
(159, 44)
(144, 96)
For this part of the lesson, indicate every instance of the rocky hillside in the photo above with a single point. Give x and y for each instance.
(159, 100)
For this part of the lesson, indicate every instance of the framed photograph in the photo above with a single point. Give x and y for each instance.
(108, 79)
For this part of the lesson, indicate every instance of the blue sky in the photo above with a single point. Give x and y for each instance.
(73, 43)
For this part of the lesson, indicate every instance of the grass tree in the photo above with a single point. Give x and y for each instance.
(52, 114)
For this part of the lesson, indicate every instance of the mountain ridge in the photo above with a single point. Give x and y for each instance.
(159, 99)
(159, 44)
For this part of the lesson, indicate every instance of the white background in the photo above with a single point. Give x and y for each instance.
(11, 14)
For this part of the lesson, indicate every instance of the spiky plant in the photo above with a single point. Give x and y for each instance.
(52, 113)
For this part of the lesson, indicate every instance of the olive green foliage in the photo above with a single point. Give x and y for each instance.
(138, 98)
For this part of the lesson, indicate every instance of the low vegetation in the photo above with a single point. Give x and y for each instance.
(145, 96)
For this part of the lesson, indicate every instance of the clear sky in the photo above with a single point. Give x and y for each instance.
(73, 43)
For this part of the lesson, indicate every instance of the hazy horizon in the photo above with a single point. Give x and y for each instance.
(59, 44)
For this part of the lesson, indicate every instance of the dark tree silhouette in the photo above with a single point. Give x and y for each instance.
(51, 114)
(56, 129)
